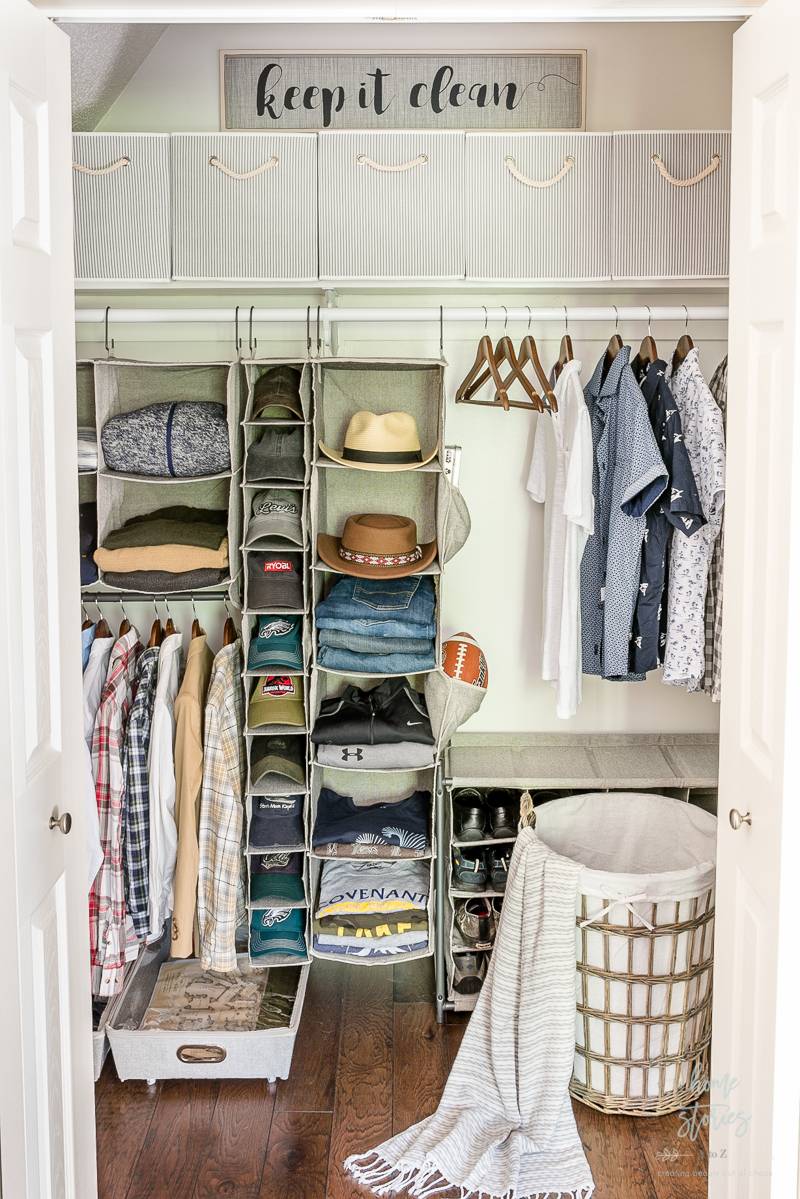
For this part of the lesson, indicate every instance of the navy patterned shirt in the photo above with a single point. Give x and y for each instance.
(679, 508)
(136, 796)
(629, 476)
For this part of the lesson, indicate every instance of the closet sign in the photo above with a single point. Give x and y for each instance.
(536, 90)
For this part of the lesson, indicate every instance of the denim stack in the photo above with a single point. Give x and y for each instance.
(378, 626)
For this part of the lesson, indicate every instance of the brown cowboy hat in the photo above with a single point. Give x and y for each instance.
(375, 546)
(387, 441)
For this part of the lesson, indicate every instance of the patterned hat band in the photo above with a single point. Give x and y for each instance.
(364, 559)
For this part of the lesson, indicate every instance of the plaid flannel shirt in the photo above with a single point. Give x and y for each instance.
(220, 895)
(107, 935)
(136, 799)
(712, 680)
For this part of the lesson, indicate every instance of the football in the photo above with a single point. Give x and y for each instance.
(462, 658)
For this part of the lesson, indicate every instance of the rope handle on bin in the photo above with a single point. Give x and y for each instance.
(116, 165)
(513, 170)
(658, 161)
(364, 161)
(232, 174)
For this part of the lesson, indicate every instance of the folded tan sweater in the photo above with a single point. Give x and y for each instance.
(174, 558)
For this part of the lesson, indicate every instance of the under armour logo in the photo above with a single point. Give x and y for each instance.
(347, 754)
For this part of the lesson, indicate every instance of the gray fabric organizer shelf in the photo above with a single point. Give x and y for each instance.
(668, 762)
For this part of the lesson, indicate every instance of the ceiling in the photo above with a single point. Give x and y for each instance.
(104, 60)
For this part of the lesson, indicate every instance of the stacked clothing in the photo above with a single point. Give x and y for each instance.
(372, 909)
(87, 448)
(172, 549)
(394, 829)
(87, 516)
(378, 626)
(387, 728)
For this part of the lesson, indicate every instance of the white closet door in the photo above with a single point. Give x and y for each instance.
(756, 1050)
(46, 1095)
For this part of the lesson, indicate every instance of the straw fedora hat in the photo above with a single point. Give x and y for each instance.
(380, 441)
(376, 547)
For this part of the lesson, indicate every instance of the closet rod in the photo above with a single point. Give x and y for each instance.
(331, 316)
(139, 597)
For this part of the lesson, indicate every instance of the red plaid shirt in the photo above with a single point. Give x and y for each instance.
(107, 897)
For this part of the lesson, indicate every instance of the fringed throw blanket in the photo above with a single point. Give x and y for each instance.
(504, 1128)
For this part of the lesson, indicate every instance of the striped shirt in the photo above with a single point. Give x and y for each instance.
(220, 893)
(107, 897)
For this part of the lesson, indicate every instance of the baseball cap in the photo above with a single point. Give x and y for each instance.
(277, 821)
(276, 699)
(277, 644)
(276, 762)
(278, 931)
(276, 514)
(276, 395)
(274, 581)
(276, 877)
(277, 454)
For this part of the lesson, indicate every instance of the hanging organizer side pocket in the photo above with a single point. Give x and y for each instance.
(121, 198)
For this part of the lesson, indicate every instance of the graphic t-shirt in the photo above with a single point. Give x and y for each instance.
(398, 828)
(354, 887)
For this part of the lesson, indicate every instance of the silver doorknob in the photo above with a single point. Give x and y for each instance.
(62, 823)
(738, 818)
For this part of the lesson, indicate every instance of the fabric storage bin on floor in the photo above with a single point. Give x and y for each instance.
(244, 206)
(121, 199)
(671, 205)
(644, 946)
(553, 190)
(157, 1053)
(390, 205)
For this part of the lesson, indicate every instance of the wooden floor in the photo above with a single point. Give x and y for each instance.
(369, 1060)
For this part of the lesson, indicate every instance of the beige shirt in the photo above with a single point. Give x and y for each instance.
(189, 709)
(163, 557)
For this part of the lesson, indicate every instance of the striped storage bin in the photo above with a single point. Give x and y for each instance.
(121, 197)
(244, 206)
(538, 206)
(390, 205)
(671, 205)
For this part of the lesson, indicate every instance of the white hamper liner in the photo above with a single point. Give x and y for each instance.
(644, 946)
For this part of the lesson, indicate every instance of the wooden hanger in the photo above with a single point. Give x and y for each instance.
(197, 628)
(103, 629)
(565, 352)
(169, 628)
(685, 344)
(503, 352)
(156, 630)
(613, 348)
(648, 351)
(229, 632)
(528, 352)
(87, 623)
(124, 624)
(483, 368)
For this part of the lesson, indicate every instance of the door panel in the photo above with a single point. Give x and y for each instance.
(46, 1094)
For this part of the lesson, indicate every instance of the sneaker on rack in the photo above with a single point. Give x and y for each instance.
(475, 921)
(469, 815)
(469, 870)
(498, 870)
(503, 812)
(469, 971)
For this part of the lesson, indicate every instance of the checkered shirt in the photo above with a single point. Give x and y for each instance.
(136, 799)
(107, 897)
(220, 893)
(712, 680)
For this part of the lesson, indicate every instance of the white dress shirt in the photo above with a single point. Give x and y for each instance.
(161, 771)
(94, 677)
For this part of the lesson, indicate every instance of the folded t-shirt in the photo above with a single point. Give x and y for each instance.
(356, 887)
(347, 925)
(383, 827)
(179, 524)
(370, 950)
(161, 581)
(171, 557)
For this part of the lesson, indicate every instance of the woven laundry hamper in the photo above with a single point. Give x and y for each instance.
(644, 946)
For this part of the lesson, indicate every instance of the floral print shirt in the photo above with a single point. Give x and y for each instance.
(704, 436)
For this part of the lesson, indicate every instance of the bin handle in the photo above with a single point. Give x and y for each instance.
(516, 173)
(229, 171)
(364, 161)
(627, 901)
(193, 1055)
(658, 161)
(124, 161)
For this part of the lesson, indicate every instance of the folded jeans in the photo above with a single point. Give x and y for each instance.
(361, 643)
(385, 664)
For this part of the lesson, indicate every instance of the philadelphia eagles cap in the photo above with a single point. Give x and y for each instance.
(277, 644)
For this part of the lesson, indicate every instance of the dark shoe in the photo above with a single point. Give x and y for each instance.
(469, 815)
(475, 921)
(469, 870)
(469, 971)
(502, 807)
(498, 870)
